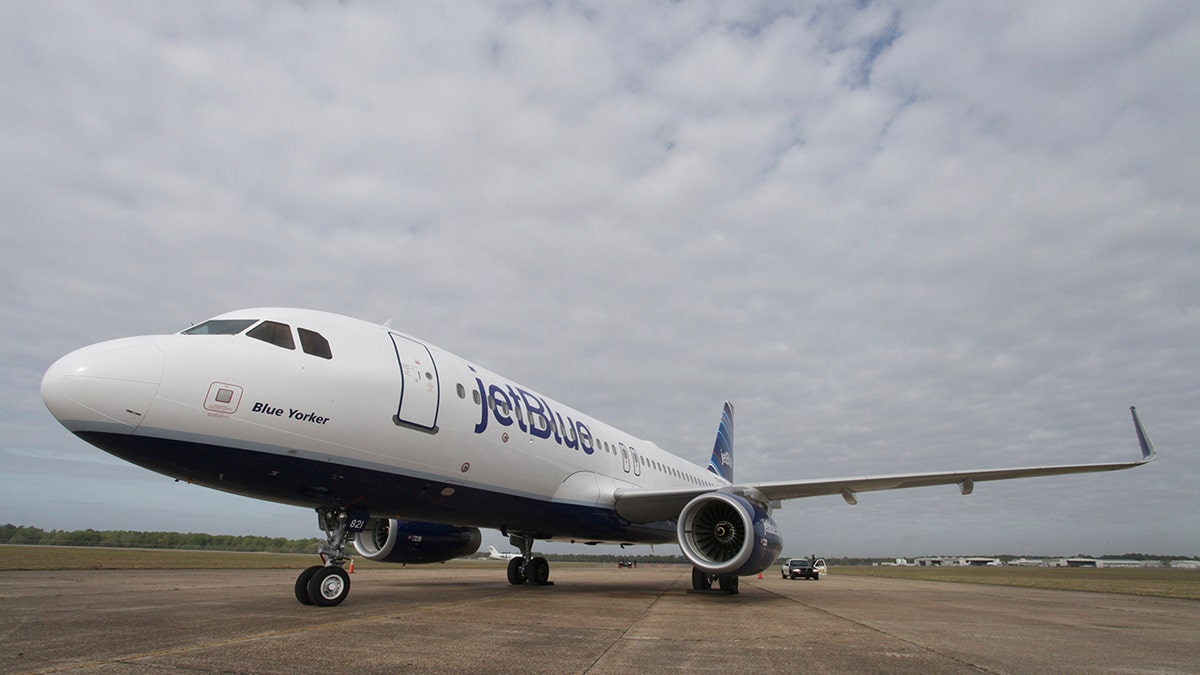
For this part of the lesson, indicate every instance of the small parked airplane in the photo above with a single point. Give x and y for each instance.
(406, 449)
(493, 554)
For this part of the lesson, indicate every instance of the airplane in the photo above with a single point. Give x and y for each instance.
(406, 450)
(493, 554)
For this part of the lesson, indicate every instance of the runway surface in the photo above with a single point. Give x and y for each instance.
(593, 620)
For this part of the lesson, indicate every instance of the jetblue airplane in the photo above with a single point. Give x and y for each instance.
(406, 450)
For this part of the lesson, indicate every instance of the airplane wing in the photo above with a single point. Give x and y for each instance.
(643, 506)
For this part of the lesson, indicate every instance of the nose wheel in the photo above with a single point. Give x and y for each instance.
(322, 585)
(328, 585)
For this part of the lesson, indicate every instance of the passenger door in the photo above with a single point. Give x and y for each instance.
(419, 388)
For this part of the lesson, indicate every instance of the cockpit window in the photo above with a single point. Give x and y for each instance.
(314, 343)
(220, 327)
(278, 334)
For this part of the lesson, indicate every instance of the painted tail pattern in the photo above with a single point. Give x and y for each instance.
(722, 456)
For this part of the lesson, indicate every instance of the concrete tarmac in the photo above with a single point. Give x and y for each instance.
(593, 620)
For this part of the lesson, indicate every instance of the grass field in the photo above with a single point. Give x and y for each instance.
(1150, 581)
(30, 558)
(88, 558)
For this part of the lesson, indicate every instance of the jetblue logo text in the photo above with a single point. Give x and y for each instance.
(505, 405)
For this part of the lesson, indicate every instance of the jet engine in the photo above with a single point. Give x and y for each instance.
(722, 533)
(411, 542)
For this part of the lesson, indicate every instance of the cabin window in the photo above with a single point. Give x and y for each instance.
(220, 327)
(278, 334)
(475, 396)
(314, 343)
(462, 391)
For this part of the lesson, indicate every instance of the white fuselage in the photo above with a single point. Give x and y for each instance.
(388, 423)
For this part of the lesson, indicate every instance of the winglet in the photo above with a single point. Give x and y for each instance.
(1148, 451)
(721, 462)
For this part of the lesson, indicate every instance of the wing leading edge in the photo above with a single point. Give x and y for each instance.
(643, 506)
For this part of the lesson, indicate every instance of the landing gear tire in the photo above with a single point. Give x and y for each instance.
(728, 583)
(302, 584)
(328, 586)
(527, 569)
(537, 572)
(516, 571)
(702, 582)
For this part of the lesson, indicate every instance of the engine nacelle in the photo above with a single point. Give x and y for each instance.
(411, 542)
(722, 533)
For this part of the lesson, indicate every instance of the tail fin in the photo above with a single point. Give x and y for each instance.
(722, 456)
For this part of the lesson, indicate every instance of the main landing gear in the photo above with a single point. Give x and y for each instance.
(526, 569)
(328, 585)
(702, 582)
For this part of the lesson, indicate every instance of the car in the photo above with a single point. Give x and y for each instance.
(803, 568)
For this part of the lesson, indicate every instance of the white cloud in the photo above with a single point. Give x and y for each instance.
(898, 237)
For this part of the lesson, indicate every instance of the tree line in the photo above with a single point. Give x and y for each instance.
(195, 541)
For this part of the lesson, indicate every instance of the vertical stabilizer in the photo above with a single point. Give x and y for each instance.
(722, 455)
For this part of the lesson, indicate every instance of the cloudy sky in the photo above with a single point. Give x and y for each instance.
(898, 236)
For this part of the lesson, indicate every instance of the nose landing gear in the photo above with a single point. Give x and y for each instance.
(328, 585)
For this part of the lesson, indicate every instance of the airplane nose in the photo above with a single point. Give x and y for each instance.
(105, 387)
